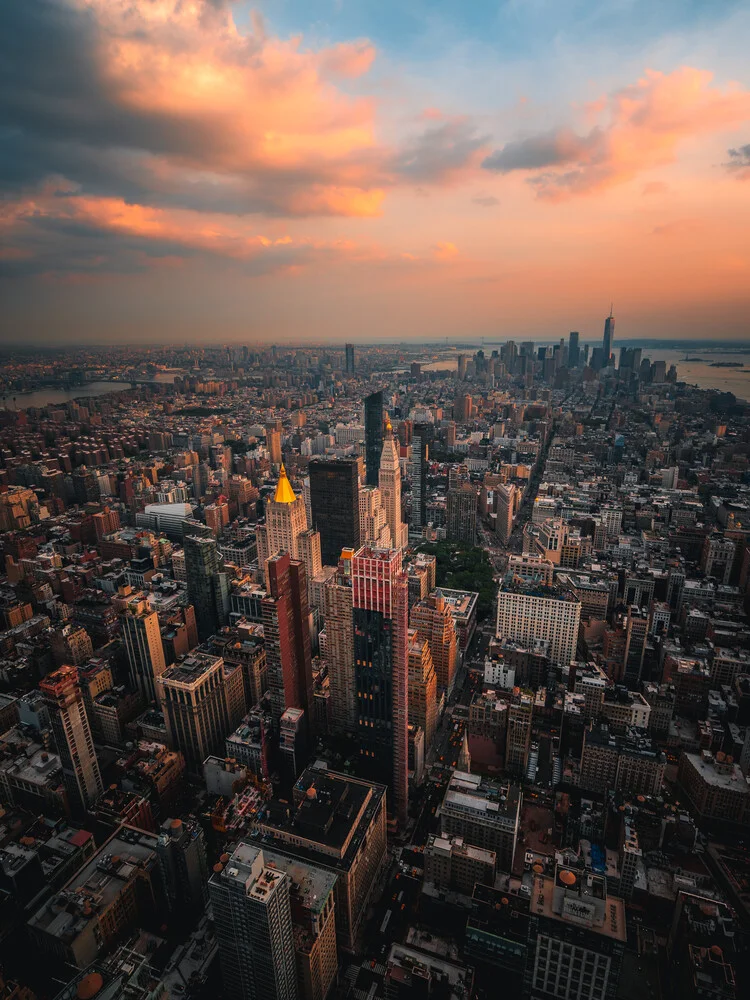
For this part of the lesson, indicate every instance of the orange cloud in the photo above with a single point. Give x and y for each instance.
(445, 251)
(645, 123)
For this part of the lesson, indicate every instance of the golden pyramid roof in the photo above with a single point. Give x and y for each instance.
(284, 492)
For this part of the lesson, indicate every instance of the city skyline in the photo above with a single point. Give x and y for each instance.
(306, 173)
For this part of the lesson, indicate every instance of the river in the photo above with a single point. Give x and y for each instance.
(45, 397)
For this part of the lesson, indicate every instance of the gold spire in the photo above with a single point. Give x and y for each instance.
(388, 426)
(284, 492)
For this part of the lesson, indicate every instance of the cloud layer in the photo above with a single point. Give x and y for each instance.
(166, 102)
(644, 124)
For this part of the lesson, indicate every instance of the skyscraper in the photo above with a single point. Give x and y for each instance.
(373, 518)
(418, 478)
(202, 703)
(340, 649)
(462, 514)
(518, 735)
(273, 444)
(287, 636)
(637, 628)
(506, 499)
(334, 502)
(574, 349)
(181, 851)
(373, 436)
(609, 336)
(70, 727)
(253, 923)
(308, 548)
(422, 687)
(286, 519)
(390, 489)
(349, 351)
(142, 636)
(381, 667)
(434, 621)
(207, 584)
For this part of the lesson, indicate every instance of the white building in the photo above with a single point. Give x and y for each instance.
(526, 612)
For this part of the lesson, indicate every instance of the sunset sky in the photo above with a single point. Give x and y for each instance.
(327, 170)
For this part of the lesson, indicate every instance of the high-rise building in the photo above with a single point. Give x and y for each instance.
(207, 584)
(181, 851)
(390, 489)
(273, 444)
(485, 813)
(373, 436)
(252, 910)
(462, 514)
(637, 627)
(287, 636)
(340, 649)
(308, 548)
(609, 336)
(312, 896)
(451, 864)
(142, 637)
(202, 701)
(422, 687)
(529, 611)
(381, 607)
(217, 516)
(577, 938)
(518, 733)
(373, 518)
(334, 502)
(337, 823)
(286, 519)
(433, 619)
(507, 504)
(418, 478)
(463, 408)
(631, 763)
(72, 733)
(349, 353)
(574, 349)
(71, 644)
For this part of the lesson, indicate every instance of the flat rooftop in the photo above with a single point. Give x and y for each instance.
(96, 885)
(191, 669)
(333, 813)
(613, 925)
(731, 778)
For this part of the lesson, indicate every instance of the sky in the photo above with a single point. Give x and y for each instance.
(294, 171)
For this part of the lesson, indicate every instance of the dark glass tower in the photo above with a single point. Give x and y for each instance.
(207, 584)
(574, 350)
(609, 336)
(334, 502)
(373, 436)
(381, 624)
